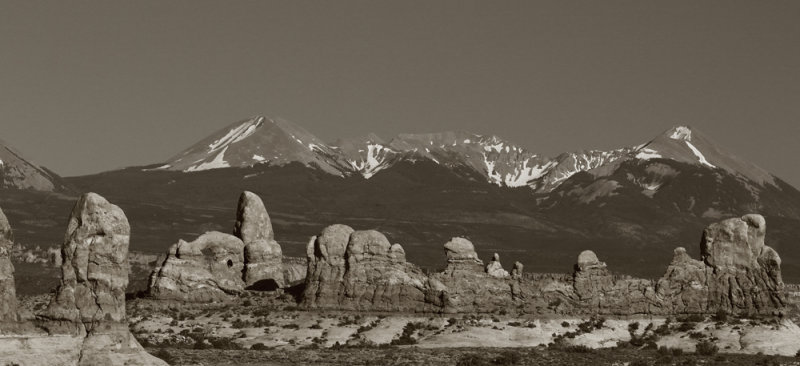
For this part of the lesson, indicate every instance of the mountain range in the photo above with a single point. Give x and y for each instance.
(631, 205)
(264, 141)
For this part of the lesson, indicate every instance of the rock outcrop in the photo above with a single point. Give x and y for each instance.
(495, 268)
(361, 270)
(85, 322)
(262, 254)
(592, 277)
(217, 266)
(8, 296)
(738, 273)
(205, 270)
(516, 272)
(461, 256)
(467, 286)
(94, 268)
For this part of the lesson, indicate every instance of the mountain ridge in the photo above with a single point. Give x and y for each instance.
(252, 142)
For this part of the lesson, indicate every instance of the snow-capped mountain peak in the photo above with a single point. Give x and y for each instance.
(257, 140)
(262, 140)
(681, 133)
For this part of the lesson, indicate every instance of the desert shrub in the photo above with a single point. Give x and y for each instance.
(508, 358)
(639, 363)
(315, 326)
(721, 316)
(165, 355)
(696, 335)
(514, 324)
(664, 351)
(664, 360)
(706, 348)
(260, 312)
(632, 327)
(686, 326)
(565, 324)
(259, 347)
(406, 338)
(662, 329)
(569, 348)
(290, 326)
(239, 324)
(694, 318)
(471, 359)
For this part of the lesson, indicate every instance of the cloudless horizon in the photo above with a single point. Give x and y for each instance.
(92, 86)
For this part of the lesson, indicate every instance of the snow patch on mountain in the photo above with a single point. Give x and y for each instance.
(699, 155)
(237, 134)
(681, 133)
(373, 162)
(218, 162)
(647, 154)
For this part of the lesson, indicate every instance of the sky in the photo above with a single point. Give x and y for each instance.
(88, 86)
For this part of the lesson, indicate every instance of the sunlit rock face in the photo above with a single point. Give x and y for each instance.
(744, 273)
(262, 254)
(362, 270)
(95, 264)
(205, 270)
(85, 323)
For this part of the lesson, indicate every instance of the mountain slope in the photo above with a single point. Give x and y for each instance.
(258, 140)
(18, 173)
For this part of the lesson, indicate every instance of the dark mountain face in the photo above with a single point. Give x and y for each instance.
(632, 205)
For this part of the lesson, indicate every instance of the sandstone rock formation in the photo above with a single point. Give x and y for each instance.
(495, 268)
(361, 270)
(262, 254)
(467, 286)
(95, 264)
(85, 322)
(516, 272)
(217, 266)
(592, 277)
(461, 255)
(205, 270)
(738, 273)
(598, 291)
(8, 297)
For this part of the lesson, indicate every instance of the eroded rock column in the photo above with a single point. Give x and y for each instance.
(95, 264)
(262, 254)
(8, 297)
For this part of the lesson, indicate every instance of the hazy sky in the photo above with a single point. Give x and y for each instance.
(87, 86)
